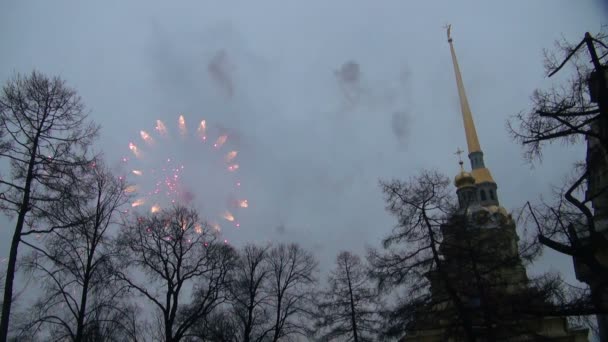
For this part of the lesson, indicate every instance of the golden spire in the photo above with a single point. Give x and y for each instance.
(467, 117)
(478, 169)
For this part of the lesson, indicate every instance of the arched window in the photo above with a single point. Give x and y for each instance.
(483, 195)
(492, 195)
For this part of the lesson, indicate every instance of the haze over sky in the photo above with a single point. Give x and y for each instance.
(264, 73)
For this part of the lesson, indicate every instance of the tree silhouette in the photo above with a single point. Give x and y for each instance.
(80, 294)
(291, 290)
(349, 308)
(177, 255)
(46, 138)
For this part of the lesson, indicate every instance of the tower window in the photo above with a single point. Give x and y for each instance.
(492, 195)
(483, 195)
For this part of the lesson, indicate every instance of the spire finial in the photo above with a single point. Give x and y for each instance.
(448, 27)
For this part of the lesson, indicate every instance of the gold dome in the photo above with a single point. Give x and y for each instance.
(464, 179)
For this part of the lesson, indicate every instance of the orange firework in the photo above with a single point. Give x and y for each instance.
(220, 141)
(138, 202)
(146, 137)
(231, 155)
(182, 125)
(134, 149)
(202, 130)
(130, 189)
(165, 184)
(228, 216)
(160, 128)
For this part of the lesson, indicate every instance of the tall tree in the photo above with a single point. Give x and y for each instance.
(177, 255)
(421, 206)
(574, 224)
(462, 268)
(250, 295)
(46, 140)
(292, 280)
(349, 308)
(80, 294)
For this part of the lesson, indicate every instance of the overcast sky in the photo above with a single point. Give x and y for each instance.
(311, 150)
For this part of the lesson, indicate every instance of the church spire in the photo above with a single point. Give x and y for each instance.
(483, 178)
(467, 117)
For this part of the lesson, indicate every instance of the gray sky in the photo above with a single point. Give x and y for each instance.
(309, 160)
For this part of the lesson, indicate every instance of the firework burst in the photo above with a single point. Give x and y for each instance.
(189, 170)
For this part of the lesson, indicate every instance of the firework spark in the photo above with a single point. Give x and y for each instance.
(228, 216)
(182, 125)
(243, 204)
(155, 208)
(161, 128)
(137, 172)
(134, 149)
(138, 202)
(146, 137)
(202, 130)
(233, 167)
(220, 141)
(231, 155)
(130, 189)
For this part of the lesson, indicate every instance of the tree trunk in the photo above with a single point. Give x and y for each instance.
(352, 306)
(83, 298)
(248, 325)
(278, 321)
(12, 260)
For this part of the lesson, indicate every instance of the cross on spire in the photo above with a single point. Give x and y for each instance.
(458, 153)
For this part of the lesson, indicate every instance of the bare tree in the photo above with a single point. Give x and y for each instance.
(578, 109)
(292, 281)
(568, 225)
(46, 141)
(80, 295)
(421, 207)
(569, 113)
(566, 112)
(179, 257)
(349, 308)
(250, 295)
(462, 269)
